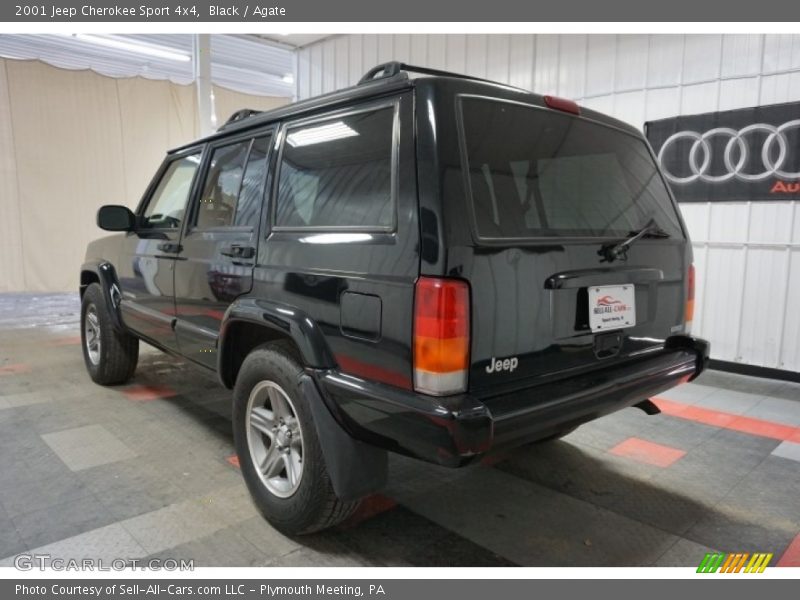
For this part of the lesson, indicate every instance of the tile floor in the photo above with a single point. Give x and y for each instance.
(146, 470)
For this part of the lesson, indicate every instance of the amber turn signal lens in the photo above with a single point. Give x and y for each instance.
(690, 283)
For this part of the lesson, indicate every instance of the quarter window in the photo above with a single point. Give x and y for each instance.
(337, 173)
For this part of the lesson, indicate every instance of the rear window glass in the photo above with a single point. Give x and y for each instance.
(540, 173)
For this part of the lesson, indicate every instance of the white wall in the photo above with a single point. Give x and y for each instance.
(747, 255)
(71, 141)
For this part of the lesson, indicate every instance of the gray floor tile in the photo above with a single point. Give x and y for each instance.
(788, 450)
(787, 391)
(71, 518)
(730, 401)
(741, 383)
(41, 493)
(685, 553)
(11, 542)
(786, 412)
(393, 538)
(267, 539)
(531, 525)
(173, 525)
(24, 399)
(689, 393)
(624, 487)
(85, 447)
(306, 557)
(106, 543)
(224, 548)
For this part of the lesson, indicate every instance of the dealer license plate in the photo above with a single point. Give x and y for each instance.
(612, 307)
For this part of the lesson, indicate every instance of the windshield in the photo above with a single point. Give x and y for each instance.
(540, 173)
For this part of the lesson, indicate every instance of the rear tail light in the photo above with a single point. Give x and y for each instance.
(690, 284)
(441, 336)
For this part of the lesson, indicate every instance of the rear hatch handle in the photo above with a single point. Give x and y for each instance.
(603, 276)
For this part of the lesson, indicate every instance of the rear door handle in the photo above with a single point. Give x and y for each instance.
(170, 247)
(238, 251)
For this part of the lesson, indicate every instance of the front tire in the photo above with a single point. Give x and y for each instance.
(110, 356)
(277, 445)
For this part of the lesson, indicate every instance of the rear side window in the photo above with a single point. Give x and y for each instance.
(337, 173)
(234, 185)
(221, 189)
(540, 173)
(251, 193)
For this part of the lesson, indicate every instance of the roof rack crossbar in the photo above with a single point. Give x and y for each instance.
(394, 68)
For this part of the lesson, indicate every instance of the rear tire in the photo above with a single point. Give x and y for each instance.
(110, 356)
(277, 445)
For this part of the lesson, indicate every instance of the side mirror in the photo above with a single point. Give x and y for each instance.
(112, 217)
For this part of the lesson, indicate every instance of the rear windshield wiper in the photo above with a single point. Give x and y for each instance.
(613, 251)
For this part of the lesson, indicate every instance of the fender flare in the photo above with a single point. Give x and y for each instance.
(109, 283)
(285, 321)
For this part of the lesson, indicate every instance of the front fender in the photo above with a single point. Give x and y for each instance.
(106, 276)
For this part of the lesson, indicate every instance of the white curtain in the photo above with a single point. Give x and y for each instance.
(71, 141)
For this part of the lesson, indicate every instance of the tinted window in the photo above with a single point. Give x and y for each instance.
(168, 203)
(338, 173)
(536, 172)
(221, 189)
(251, 193)
(234, 186)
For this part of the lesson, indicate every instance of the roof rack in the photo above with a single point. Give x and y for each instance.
(244, 113)
(392, 71)
(395, 68)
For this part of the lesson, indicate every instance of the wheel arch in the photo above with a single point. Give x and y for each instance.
(104, 274)
(252, 322)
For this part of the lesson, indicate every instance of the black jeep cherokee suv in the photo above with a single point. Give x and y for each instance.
(439, 267)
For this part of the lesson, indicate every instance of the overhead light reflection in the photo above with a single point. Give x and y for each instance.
(336, 238)
(320, 134)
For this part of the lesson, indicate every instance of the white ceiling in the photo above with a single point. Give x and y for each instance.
(297, 40)
(242, 63)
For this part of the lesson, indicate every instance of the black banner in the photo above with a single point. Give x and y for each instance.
(735, 155)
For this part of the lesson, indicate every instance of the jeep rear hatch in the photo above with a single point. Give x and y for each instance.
(556, 290)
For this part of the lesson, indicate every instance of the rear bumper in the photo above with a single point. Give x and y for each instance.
(453, 430)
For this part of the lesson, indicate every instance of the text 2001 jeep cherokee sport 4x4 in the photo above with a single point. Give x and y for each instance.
(439, 267)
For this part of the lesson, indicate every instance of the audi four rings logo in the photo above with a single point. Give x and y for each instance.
(740, 146)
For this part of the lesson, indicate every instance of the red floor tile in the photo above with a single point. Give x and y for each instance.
(718, 418)
(14, 369)
(233, 460)
(647, 452)
(791, 556)
(148, 393)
